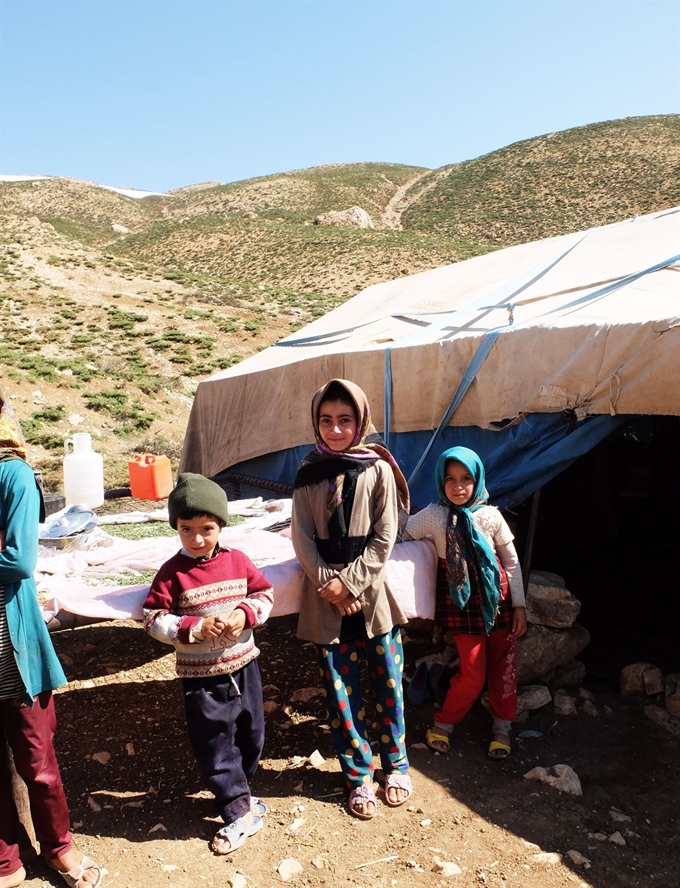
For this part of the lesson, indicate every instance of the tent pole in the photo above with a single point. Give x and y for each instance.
(531, 535)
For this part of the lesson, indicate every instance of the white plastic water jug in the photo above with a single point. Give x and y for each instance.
(83, 472)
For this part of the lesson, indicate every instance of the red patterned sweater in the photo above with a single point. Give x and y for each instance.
(186, 589)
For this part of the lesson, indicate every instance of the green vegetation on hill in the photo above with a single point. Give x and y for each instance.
(555, 184)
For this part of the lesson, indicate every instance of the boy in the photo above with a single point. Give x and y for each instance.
(205, 601)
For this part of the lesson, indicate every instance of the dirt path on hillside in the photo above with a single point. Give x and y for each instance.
(391, 217)
(401, 201)
(139, 807)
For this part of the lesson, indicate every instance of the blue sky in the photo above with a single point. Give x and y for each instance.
(157, 94)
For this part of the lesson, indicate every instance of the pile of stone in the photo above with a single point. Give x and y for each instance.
(554, 638)
(660, 696)
(546, 654)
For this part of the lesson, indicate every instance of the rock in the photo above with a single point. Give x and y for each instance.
(590, 708)
(316, 760)
(563, 778)
(577, 858)
(94, 805)
(543, 649)
(288, 868)
(102, 757)
(304, 695)
(548, 857)
(238, 880)
(320, 862)
(641, 678)
(297, 824)
(130, 748)
(159, 827)
(617, 838)
(664, 719)
(599, 837)
(571, 675)
(585, 694)
(75, 419)
(354, 217)
(672, 694)
(619, 816)
(564, 705)
(446, 868)
(532, 697)
(425, 823)
(269, 690)
(549, 602)
(270, 706)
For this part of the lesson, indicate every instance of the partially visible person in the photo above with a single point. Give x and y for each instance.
(205, 601)
(348, 499)
(29, 672)
(477, 564)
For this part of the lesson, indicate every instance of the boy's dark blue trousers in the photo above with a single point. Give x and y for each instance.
(225, 720)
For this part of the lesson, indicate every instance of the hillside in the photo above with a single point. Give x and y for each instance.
(112, 308)
(554, 184)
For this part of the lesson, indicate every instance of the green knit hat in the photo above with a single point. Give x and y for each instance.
(196, 493)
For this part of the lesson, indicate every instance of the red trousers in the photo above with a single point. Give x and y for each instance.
(29, 732)
(489, 657)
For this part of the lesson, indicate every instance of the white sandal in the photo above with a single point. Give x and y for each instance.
(398, 780)
(236, 833)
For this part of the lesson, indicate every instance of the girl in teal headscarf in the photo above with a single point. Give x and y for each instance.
(477, 565)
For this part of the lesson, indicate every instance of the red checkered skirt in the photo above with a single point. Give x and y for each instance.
(469, 619)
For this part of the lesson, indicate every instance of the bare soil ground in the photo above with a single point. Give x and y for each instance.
(145, 816)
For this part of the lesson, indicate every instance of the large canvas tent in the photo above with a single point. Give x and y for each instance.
(530, 355)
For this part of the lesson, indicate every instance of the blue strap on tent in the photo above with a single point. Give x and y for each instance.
(504, 298)
(610, 288)
(487, 344)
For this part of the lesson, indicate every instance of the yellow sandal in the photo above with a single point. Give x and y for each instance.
(498, 750)
(433, 736)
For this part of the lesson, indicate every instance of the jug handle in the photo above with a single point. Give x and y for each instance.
(66, 443)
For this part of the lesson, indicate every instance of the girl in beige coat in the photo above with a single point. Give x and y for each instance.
(348, 500)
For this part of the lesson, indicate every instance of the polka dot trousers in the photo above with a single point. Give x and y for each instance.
(339, 665)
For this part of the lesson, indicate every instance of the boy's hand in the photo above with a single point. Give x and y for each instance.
(348, 605)
(519, 622)
(235, 622)
(213, 626)
(333, 591)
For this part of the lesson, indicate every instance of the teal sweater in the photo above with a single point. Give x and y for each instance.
(38, 665)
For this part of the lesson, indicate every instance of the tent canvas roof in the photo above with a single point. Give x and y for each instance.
(595, 327)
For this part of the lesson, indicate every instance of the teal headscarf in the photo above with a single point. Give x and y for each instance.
(465, 543)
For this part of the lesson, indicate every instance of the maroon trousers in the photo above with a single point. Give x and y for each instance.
(29, 732)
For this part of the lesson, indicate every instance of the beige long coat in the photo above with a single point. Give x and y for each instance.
(374, 512)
